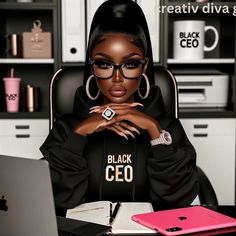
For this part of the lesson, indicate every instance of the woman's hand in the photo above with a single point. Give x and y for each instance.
(123, 129)
(128, 119)
(96, 123)
(90, 125)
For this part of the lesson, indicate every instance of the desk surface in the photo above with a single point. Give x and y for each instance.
(227, 210)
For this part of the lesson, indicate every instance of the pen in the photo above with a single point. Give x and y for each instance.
(114, 213)
(89, 209)
(110, 219)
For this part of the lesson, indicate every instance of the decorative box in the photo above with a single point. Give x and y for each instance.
(37, 44)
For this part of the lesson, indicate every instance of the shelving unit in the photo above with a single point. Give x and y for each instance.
(222, 58)
(26, 61)
(35, 71)
(215, 140)
(16, 18)
(203, 61)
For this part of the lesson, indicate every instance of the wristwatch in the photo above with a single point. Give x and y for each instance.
(164, 139)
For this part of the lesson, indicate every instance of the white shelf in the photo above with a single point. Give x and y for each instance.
(202, 61)
(26, 61)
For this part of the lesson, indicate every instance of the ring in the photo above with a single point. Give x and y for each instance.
(108, 113)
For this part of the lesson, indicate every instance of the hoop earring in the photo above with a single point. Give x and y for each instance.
(87, 89)
(148, 88)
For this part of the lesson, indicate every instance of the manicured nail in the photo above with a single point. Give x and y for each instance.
(97, 110)
(123, 135)
(129, 133)
(94, 110)
(134, 104)
(135, 130)
(95, 107)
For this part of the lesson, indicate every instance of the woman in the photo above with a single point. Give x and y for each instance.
(120, 144)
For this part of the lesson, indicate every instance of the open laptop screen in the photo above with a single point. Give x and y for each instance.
(26, 201)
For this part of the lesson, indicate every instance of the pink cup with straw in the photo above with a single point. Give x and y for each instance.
(12, 92)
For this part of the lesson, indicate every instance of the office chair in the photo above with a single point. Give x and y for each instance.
(65, 82)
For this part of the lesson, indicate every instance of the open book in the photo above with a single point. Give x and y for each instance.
(100, 212)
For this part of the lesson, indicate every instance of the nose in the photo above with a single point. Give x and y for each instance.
(117, 77)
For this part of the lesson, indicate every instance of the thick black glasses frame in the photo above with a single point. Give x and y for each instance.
(116, 67)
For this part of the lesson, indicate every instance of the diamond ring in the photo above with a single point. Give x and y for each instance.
(108, 113)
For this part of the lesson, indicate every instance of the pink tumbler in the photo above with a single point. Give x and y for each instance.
(12, 93)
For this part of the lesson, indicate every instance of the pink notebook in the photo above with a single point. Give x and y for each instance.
(184, 220)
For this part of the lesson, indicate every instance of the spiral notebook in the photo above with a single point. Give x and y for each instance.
(100, 212)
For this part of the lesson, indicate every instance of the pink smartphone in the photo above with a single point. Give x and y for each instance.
(184, 220)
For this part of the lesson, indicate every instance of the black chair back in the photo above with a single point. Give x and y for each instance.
(62, 90)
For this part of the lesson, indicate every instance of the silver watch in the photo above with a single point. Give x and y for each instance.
(164, 139)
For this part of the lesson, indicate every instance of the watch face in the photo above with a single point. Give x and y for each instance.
(164, 139)
(167, 137)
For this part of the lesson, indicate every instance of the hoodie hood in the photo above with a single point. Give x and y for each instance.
(152, 106)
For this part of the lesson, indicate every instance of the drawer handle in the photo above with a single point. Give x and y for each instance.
(201, 126)
(22, 135)
(200, 135)
(22, 126)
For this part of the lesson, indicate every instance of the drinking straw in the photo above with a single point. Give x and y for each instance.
(12, 72)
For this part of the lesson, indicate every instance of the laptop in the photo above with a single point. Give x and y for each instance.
(26, 202)
(186, 221)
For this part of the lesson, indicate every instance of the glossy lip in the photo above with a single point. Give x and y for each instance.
(117, 91)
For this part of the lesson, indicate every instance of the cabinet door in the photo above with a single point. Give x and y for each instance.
(214, 141)
(24, 146)
(73, 30)
(22, 138)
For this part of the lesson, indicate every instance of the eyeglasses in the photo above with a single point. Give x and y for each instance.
(130, 69)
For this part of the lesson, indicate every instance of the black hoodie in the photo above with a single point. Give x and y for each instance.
(105, 166)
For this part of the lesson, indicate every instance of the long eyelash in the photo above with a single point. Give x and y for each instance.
(132, 62)
(100, 63)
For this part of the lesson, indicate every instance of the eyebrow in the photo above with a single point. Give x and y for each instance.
(125, 57)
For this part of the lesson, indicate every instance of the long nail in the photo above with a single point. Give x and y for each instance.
(135, 130)
(129, 133)
(134, 104)
(94, 107)
(123, 135)
(94, 110)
